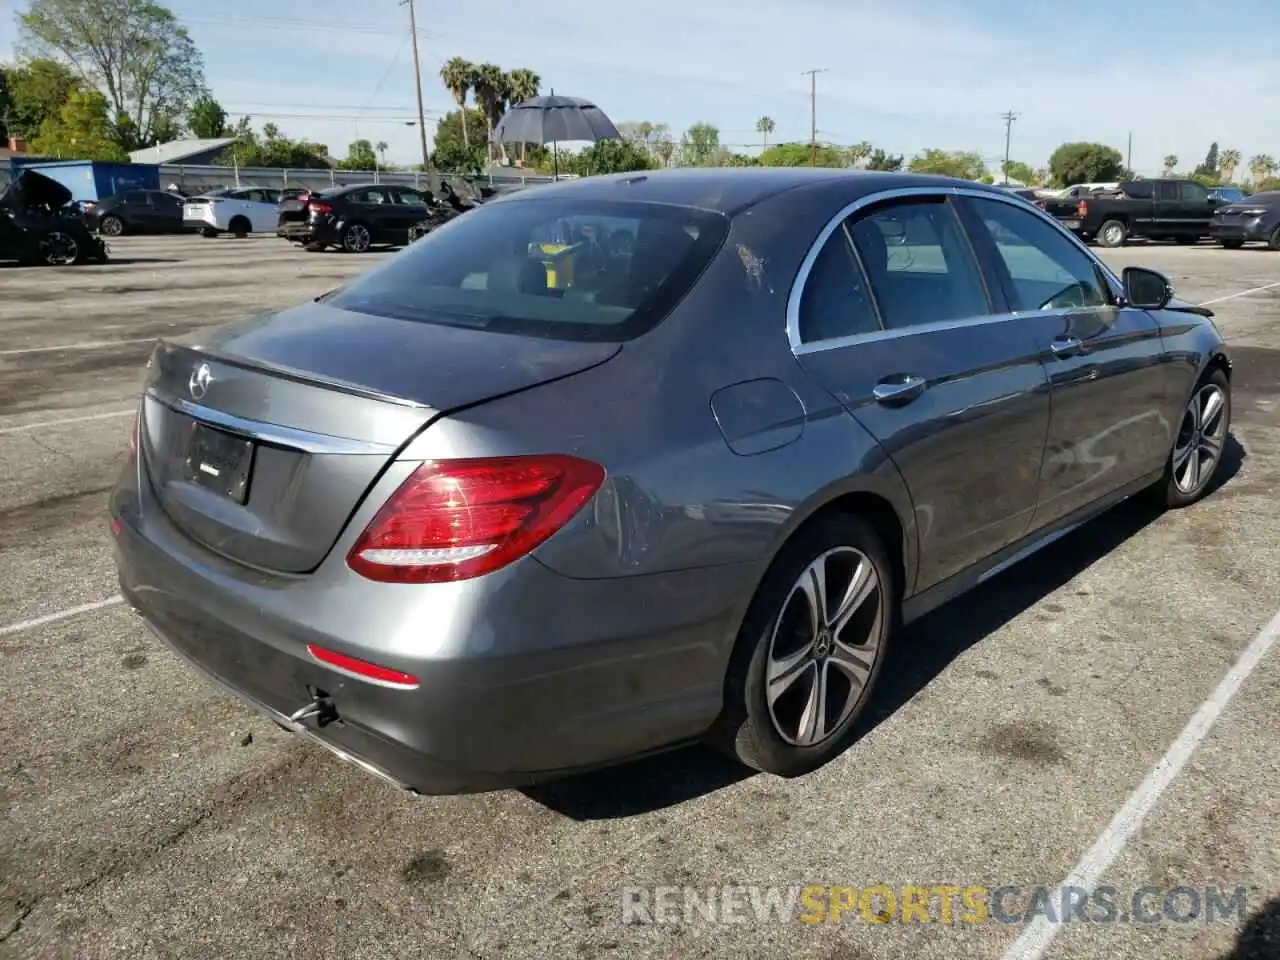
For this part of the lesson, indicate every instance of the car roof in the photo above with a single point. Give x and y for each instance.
(729, 189)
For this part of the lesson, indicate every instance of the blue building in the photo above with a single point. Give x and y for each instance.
(91, 179)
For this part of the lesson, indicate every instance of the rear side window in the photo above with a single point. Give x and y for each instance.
(835, 302)
(919, 263)
(584, 270)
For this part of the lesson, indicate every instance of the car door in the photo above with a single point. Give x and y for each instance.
(374, 207)
(896, 320)
(168, 211)
(410, 208)
(136, 210)
(1197, 208)
(1105, 361)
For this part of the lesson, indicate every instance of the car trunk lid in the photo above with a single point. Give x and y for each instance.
(295, 209)
(262, 437)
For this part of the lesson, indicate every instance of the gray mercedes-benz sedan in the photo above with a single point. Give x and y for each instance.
(631, 461)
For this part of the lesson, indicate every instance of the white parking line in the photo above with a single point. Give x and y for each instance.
(58, 423)
(60, 615)
(1035, 939)
(1242, 293)
(85, 345)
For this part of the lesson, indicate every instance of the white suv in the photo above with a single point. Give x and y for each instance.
(237, 210)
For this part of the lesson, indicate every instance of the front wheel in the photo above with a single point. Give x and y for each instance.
(1231, 244)
(1274, 240)
(58, 249)
(810, 649)
(111, 226)
(1200, 442)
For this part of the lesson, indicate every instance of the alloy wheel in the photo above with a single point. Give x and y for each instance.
(1114, 235)
(1201, 436)
(111, 226)
(824, 647)
(58, 249)
(357, 240)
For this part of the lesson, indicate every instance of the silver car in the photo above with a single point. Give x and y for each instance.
(619, 464)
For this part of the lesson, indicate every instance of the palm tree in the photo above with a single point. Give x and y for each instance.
(858, 152)
(490, 86)
(1261, 168)
(1228, 160)
(382, 151)
(665, 148)
(459, 78)
(523, 85)
(1170, 162)
(764, 127)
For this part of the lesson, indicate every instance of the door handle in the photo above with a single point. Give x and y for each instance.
(1065, 346)
(899, 390)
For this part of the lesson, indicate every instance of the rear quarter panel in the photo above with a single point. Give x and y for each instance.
(677, 495)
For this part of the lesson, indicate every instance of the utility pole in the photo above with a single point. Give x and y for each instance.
(1008, 119)
(813, 112)
(1128, 159)
(432, 184)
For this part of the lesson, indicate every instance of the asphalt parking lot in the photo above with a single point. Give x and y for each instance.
(144, 813)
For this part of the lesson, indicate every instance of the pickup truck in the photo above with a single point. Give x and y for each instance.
(1155, 209)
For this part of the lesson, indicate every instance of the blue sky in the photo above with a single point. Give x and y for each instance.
(929, 74)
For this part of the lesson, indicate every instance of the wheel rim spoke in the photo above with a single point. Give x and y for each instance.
(1211, 412)
(860, 588)
(813, 722)
(785, 671)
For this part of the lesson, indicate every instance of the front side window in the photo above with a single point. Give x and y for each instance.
(1193, 192)
(1048, 272)
(561, 269)
(919, 264)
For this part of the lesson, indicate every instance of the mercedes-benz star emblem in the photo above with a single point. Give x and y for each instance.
(198, 385)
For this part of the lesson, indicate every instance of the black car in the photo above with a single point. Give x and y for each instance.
(35, 226)
(1253, 219)
(138, 211)
(354, 218)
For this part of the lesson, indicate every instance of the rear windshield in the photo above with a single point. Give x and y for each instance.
(555, 268)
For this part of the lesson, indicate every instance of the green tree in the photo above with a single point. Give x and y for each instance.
(1170, 162)
(764, 127)
(1228, 162)
(523, 84)
(697, 145)
(1016, 170)
(453, 152)
(801, 155)
(664, 148)
(80, 131)
(1261, 168)
(206, 119)
(459, 78)
(360, 156)
(945, 163)
(36, 91)
(608, 156)
(135, 51)
(879, 160)
(857, 153)
(1074, 163)
(1209, 167)
(272, 149)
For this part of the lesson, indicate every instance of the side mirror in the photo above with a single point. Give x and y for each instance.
(1146, 289)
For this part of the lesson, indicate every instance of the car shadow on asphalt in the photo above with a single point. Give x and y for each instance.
(1260, 938)
(922, 651)
(111, 262)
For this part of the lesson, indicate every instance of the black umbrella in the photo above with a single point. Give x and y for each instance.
(552, 119)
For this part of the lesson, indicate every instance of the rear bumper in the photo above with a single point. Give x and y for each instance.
(532, 686)
(304, 231)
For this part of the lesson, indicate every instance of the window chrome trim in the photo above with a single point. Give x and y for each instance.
(799, 347)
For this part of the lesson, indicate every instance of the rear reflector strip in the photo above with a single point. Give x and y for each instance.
(362, 669)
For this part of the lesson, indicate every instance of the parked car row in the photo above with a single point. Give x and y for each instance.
(1167, 209)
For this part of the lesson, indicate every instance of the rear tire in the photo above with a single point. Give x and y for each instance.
(240, 226)
(208, 232)
(356, 238)
(111, 226)
(778, 647)
(1113, 233)
(1199, 444)
(1231, 244)
(313, 247)
(1274, 240)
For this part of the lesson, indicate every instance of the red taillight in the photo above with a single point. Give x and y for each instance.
(317, 207)
(363, 668)
(458, 519)
(1082, 209)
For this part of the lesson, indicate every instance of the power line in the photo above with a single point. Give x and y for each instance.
(393, 108)
(330, 117)
(285, 23)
